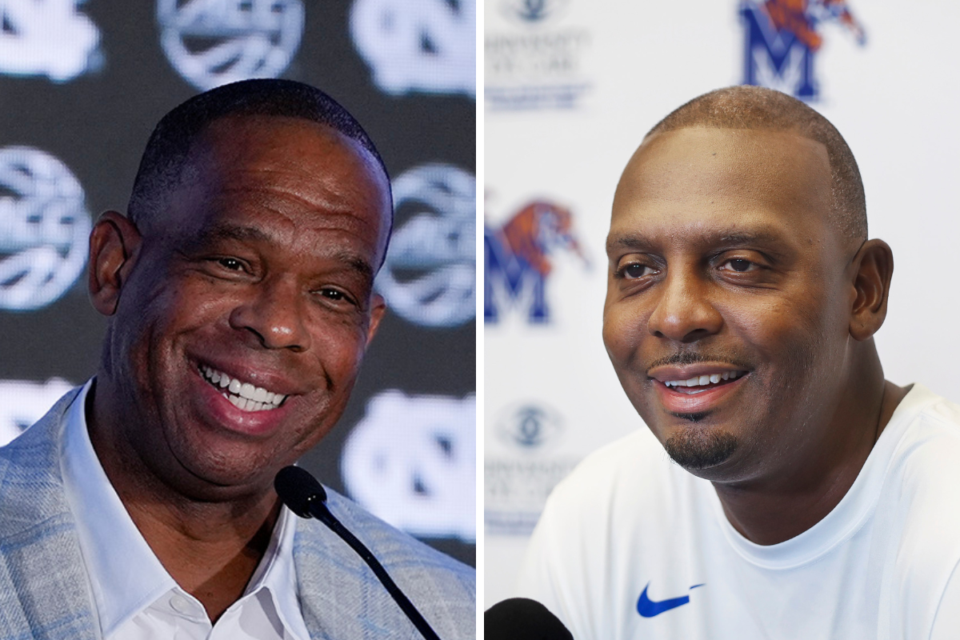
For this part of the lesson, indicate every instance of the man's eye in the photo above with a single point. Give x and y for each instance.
(740, 265)
(230, 263)
(335, 295)
(633, 271)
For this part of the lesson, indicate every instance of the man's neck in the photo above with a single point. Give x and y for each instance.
(769, 512)
(211, 552)
(211, 549)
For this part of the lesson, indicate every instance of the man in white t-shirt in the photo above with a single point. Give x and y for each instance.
(807, 497)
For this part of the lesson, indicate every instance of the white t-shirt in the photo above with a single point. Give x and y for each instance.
(629, 533)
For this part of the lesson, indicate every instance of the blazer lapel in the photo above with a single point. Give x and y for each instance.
(44, 590)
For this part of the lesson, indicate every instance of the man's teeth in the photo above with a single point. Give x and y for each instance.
(243, 395)
(700, 381)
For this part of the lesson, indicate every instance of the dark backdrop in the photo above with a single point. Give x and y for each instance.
(417, 461)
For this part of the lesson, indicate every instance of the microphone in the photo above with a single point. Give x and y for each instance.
(301, 492)
(522, 619)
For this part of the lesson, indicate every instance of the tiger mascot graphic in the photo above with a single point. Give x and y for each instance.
(800, 17)
(518, 254)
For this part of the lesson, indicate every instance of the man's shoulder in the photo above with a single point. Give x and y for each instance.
(40, 439)
(937, 411)
(922, 477)
(927, 447)
(31, 484)
(400, 553)
(634, 468)
(42, 583)
(626, 491)
(391, 545)
(330, 573)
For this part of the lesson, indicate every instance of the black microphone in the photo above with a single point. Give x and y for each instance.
(301, 492)
(522, 619)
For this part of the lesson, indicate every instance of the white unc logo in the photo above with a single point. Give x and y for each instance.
(215, 42)
(46, 38)
(418, 45)
(412, 461)
(43, 229)
(429, 276)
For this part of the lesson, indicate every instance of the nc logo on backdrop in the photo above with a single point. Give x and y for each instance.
(214, 42)
(412, 461)
(418, 45)
(782, 40)
(46, 38)
(44, 226)
(429, 276)
(518, 258)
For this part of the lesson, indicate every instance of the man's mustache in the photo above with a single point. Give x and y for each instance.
(681, 358)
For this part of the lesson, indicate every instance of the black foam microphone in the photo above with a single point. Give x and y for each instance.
(522, 619)
(301, 492)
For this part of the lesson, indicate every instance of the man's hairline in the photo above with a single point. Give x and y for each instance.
(191, 155)
(795, 131)
(201, 134)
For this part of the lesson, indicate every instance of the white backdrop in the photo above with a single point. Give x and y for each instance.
(571, 86)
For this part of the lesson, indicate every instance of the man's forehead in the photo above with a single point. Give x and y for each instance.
(703, 152)
(717, 183)
(287, 157)
(248, 137)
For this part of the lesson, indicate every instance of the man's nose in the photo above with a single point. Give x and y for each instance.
(274, 313)
(684, 310)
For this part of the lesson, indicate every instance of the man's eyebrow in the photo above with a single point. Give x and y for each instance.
(749, 237)
(231, 232)
(356, 263)
(621, 241)
(244, 233)
(639, 242)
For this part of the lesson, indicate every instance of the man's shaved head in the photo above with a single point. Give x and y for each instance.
(746, 107)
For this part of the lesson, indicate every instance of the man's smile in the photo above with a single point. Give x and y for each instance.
(695, 388)
(233, 400)
(244, 395)
(699, 384)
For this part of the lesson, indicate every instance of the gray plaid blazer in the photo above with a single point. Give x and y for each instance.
(44, 590)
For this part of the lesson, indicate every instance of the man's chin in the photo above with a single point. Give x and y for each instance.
(698, 449)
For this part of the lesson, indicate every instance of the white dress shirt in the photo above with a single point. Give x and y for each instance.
(135, 597)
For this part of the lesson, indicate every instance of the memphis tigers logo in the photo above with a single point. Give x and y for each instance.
(782, 41)
(517, 259)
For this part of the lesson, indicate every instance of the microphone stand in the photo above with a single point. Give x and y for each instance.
(306, 497)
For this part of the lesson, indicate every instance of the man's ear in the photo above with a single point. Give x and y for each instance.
(114, 246)
(874, 269)
(377, 308)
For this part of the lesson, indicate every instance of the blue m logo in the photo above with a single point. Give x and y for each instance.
(781, 42)
(510, 278)
(517, 259)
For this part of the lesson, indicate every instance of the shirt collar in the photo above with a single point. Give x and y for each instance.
(276, 573)
(125, 576)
